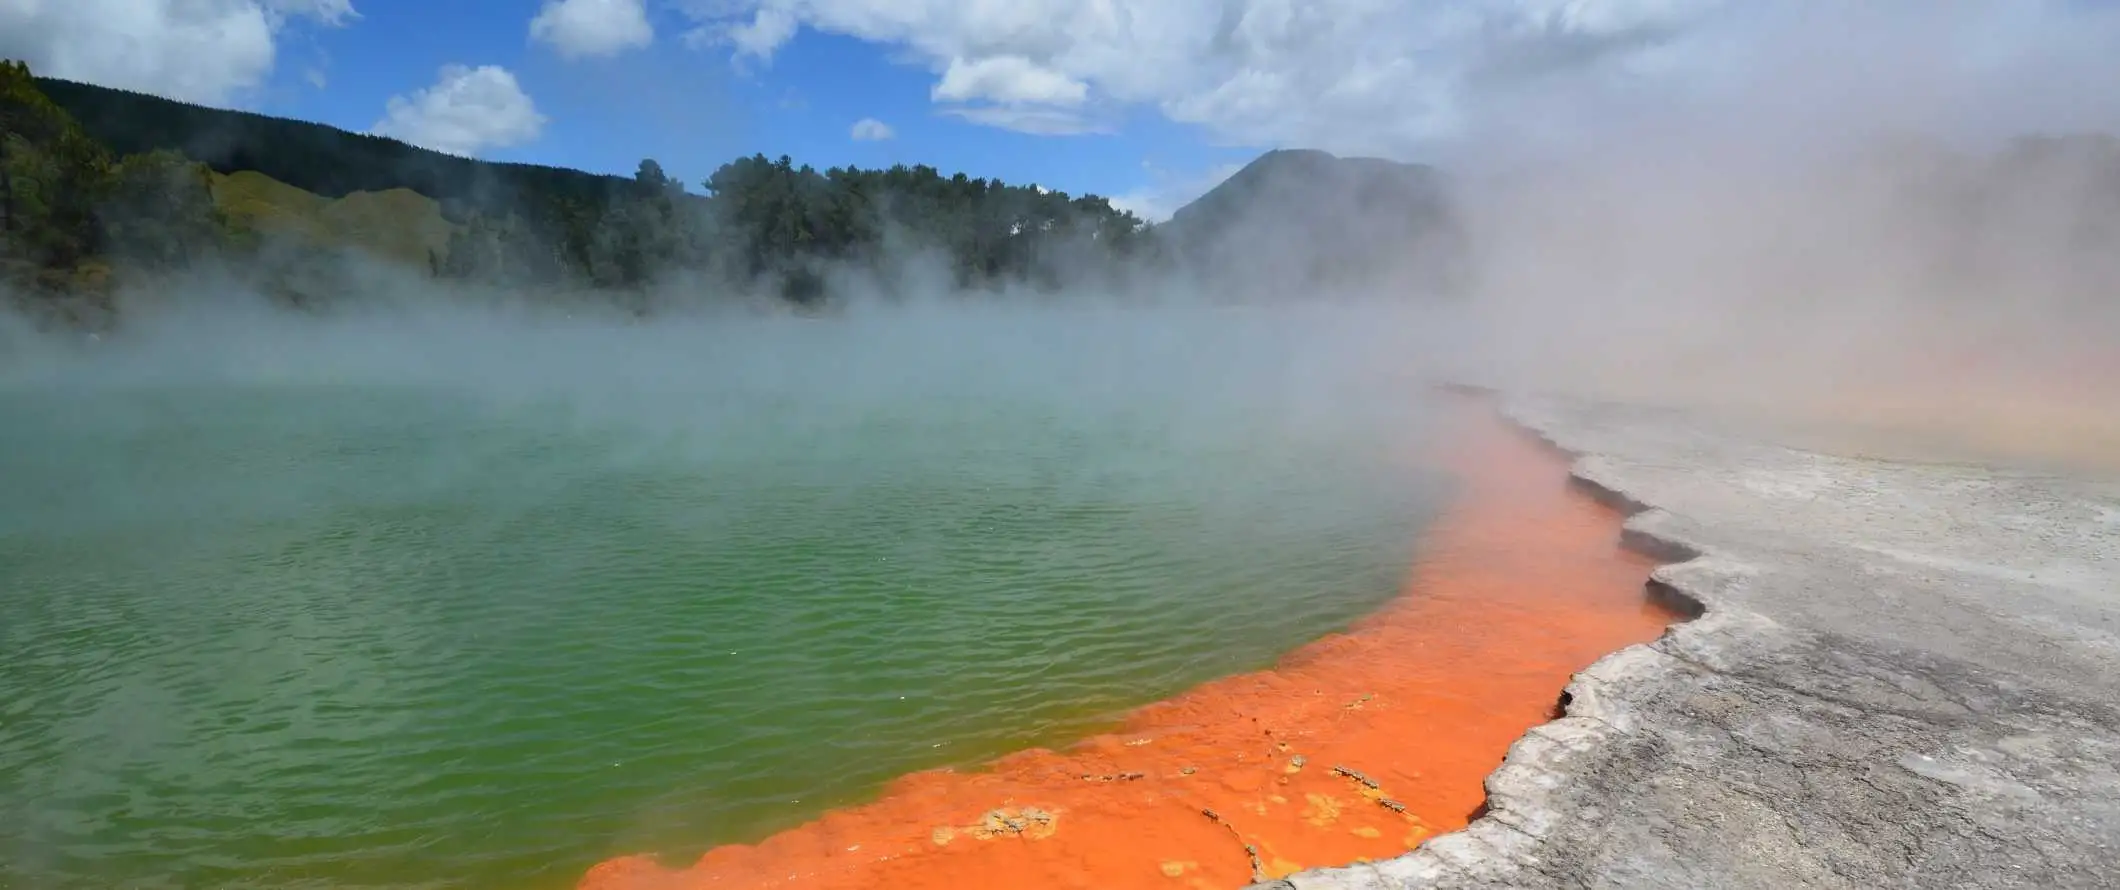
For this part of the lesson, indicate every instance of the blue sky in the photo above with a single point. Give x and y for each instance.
(694, 108)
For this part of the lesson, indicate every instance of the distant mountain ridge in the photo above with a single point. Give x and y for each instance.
(1290, 222)
(315, 157)
(1302, 218)
(105, 191)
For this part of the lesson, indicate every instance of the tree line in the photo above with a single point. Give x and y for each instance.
(769, 221)
(97, 181)
(68, 206)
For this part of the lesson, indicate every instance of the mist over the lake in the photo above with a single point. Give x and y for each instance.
(477, 566)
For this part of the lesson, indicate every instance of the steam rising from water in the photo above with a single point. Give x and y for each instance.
(1828, 226)
(1888, 213)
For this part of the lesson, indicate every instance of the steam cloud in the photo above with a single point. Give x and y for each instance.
(1890, 213)
(1888, 208)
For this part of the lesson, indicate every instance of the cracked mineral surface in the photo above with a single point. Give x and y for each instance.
(1903, 676)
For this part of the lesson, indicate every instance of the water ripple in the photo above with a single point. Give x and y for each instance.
(404, 641)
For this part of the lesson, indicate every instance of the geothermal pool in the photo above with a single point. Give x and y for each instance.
(439, 606)
(1359, 746)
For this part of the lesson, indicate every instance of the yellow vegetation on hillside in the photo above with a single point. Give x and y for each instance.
(397, 224)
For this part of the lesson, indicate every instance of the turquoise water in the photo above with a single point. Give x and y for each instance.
(374, 605)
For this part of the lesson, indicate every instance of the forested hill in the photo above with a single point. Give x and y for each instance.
(316, 158)
(101, 186)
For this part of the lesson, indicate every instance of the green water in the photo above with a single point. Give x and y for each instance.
(381, 608)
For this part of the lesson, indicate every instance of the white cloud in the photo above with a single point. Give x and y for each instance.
(869, 129)
(1035, 120)
(1007, 79)
(466, 111)
(587, 28)
(764, 33)
(206, 51)
(1014, 93)
(1394, 78)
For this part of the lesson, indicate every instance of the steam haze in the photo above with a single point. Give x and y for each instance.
(439, 508)
(1900, 214)
(1752, 201)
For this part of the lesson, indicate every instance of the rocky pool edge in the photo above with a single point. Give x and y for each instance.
(1593, 706)
(1896, 674)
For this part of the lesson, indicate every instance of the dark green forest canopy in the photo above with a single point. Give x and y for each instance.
(761, 223)
(313, 157)
(67, 206)
(1287, 224)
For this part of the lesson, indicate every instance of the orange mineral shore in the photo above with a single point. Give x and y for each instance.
(1356, 747)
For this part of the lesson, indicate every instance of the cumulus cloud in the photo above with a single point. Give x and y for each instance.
(763, 33)
(1007, 79)
(1014, 93)
(1351, 75)
(1032, 119)
(467, 111)
(588, 28)
(1399, 79)
(869, 129)
(206, 51)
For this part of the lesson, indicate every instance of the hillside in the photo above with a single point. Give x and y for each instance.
(395, 224)
(1291, 223)
(314, 157)
(101, 188)
(1302, 219)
